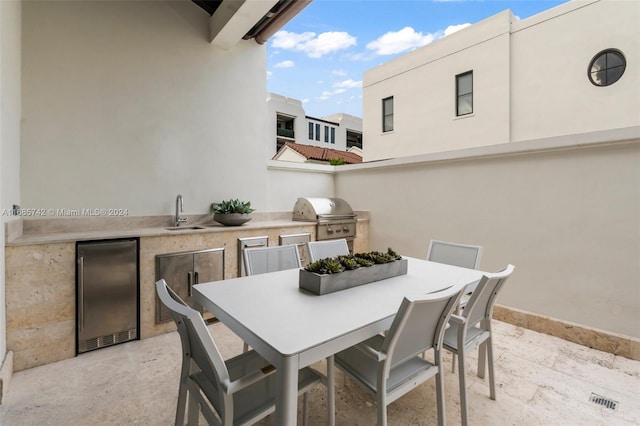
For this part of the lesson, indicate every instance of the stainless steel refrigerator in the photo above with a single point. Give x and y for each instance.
(107, 291)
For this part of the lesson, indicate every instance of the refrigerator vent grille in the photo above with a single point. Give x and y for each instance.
(108, 340)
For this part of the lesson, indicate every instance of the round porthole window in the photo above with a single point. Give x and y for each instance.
(607, 67)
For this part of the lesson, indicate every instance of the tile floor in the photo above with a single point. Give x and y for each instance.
(541, 380)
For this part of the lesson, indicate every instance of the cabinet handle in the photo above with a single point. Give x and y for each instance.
(189, 283)
(196, 278)
(255, 245)
(81, 293)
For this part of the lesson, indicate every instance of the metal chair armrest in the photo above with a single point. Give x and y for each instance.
(371, 352)
(248, 380)
(457, 319)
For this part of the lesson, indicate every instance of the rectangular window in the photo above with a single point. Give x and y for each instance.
(464, 93)
(317, 132)
(310, 131)
(333, 135)
(387, 114)
(326, 133)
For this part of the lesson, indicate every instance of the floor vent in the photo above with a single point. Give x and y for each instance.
(605, 402)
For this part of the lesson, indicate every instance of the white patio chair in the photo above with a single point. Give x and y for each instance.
(323, 249)
(464, 255)
(390, 366)
(260, 260)
(240, 390)
(473, 329)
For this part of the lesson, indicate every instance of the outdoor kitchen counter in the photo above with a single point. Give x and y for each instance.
(40, 270)
(52, 231)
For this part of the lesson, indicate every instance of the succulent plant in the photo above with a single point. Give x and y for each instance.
(363, 261)
(349, 262)
(335, 265)
(232, 206)
(393, 254)
(325, 266)
(378, 257)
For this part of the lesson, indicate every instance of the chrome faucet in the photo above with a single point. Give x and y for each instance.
(179, 208)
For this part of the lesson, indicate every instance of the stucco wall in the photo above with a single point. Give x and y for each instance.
(127, 104)
(551, 93)
(10, 24)
(568, 220)
(423, 87)
(529, 81)
(292, 180)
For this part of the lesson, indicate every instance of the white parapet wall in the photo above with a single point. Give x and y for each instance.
(564, 210)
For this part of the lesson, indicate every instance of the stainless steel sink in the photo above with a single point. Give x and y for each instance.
(183, 228)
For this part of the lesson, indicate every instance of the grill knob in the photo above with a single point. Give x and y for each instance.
(329, 231)
(345, 229)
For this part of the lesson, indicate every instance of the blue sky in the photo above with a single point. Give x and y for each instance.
(320, 56)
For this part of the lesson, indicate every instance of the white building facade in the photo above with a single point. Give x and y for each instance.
(287, 122)
(504, 80)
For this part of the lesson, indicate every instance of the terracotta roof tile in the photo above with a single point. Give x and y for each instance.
(323, 154)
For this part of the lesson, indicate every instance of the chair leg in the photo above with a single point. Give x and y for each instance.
(440, 389)
(381, 409)
(245, 347)
(463, 388)
(331, 392)
(381, 403)
(182, 392)
(305, 409)
(482, 359)
(453, 362)
(193, 410)
(492, 380)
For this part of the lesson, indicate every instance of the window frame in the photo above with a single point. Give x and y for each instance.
(326, 134)
(333, 135)
(318, 132)
(605, 53)
(385, 114)
(460, 95)
(310, 131)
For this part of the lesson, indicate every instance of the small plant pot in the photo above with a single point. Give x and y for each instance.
(324, 284)
(232, 219)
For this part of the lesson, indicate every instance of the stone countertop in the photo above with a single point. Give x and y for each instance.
(52, 231)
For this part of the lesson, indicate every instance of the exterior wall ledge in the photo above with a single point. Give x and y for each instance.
(557, 143)
(301, 167)
(605, 341)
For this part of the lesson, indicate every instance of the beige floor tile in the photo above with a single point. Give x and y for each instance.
(541, 380)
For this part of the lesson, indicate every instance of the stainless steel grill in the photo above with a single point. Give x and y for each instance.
(334, 218)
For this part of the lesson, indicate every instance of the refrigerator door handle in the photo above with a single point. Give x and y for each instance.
(196, 278)
(81, 293)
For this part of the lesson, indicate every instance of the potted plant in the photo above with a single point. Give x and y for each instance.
(339, 273)
(232, 212)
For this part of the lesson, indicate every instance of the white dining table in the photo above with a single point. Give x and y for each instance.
(293, 328)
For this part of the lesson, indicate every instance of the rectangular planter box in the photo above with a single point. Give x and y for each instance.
(329, 283)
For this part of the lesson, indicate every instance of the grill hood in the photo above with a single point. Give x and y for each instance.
(314, 209)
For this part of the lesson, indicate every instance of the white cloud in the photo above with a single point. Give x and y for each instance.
(312, 45)
(290, 41)
(305, 101)
(269, 74)
(453, 28)
(285, 64)
(348, 84)
(399, 41)
(325, 95)
(339, 73)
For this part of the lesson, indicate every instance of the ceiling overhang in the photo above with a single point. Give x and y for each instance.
(234, 20)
